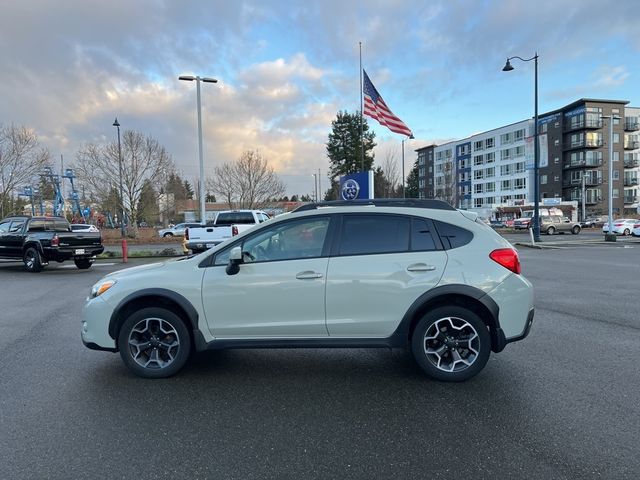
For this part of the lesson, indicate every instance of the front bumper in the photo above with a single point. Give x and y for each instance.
(96, 314)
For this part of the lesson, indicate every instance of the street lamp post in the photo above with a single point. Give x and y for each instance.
(315, 187)
(198, 79)
(536, 148)
(122, 232)
(411, 137)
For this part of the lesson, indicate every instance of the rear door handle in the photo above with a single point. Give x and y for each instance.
(308, 275)
(421, 267)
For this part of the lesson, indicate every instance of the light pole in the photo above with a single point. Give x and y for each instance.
(610, 236)
(198, 79)
(536, 148)
(315, 187)
(411, 137)
(122, 232)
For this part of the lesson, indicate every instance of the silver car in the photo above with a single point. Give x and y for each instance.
(557, 224)
(176, 230)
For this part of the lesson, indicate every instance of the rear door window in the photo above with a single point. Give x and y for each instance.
(16, 226)
(374, 234)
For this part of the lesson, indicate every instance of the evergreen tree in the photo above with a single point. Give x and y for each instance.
(188, 190)
(412, 189)
(344, 145)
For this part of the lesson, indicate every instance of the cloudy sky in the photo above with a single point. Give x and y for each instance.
(286, 68)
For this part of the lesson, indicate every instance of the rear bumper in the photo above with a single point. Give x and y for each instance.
(527, 328)
(60, 255)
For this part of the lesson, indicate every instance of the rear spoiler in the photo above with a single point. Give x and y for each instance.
(473, 216)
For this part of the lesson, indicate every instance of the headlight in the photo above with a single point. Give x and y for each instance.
(101, 287)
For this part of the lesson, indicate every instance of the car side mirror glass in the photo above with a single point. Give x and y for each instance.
(235, 259)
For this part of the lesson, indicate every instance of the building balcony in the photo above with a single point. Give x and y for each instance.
(630, 181)
(631, 126)
(585, 124)
(576, 182)
(631, 145)
(585, 162)
(583, 144)
(631, 163)
(630, 199)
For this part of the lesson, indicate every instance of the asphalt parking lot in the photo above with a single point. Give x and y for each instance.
(563, 403)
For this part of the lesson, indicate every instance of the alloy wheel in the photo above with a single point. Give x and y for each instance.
(153, 343)
(451, 344)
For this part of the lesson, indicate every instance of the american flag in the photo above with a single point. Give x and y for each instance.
(375, 107)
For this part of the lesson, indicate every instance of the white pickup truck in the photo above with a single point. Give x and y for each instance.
(226, 224)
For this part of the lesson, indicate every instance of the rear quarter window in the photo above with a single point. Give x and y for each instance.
(453, 236)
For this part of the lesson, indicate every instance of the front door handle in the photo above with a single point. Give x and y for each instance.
(308, 275)
(421, 267)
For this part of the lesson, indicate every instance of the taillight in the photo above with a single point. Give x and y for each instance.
(508, 258)
(186, 233)
(636, 225)
(234, 231)
(617, 224)
(55, 241)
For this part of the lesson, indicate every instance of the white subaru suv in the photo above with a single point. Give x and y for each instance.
(380, 273)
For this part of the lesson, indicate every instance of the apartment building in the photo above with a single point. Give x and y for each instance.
(495, 168)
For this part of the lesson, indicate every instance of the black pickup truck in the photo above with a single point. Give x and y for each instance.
(40, 240)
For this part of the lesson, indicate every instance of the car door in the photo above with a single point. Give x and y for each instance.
(279, 290)
(380, 264)
(14, 237)
(5, 247)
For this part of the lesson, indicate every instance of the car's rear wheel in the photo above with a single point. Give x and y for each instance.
(575, 230)
(451, 344)
(32, 260)
(154, 343)
(167, 235)
(83, 263)
(551, 230)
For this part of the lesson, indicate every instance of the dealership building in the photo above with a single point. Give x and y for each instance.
(494, 169)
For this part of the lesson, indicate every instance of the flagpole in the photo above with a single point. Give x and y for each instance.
(361, 108)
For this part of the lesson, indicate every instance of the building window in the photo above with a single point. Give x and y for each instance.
(477, 188)
(490, 157)
(616, 138)
(489, 142)
(556, 142)
(490, 187)
(616, 156)
(505, 154)
(505, 138)
(616, 174)
(477, 160)
(520, 183)
(556, 160)
(519, 135)
(477, 175)
(490, 172)
(543, 179)
(616, 193)
(519, 151)
(506, 184)
(479, 145)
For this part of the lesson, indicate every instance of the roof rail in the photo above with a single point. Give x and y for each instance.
(379, 202)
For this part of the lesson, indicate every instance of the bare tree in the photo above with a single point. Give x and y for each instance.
(143, 160)
(21, 159)
(390, 167)
(249, 182)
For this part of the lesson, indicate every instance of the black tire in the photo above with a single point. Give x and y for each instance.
(575, 230)
(155, 331)
(551, 230)
(32, 260)
(167, 235)
(83, 263)
(474, 335)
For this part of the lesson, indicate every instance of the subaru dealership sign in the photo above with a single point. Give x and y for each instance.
(356, 186)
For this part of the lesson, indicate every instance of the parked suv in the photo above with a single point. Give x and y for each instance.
(380, 273)
(551, 224)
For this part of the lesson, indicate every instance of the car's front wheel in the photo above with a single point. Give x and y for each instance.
(451, 344)
(575, 230)
(154, 343)
(551, 230)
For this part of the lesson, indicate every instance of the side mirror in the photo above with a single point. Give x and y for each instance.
(235, 259)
